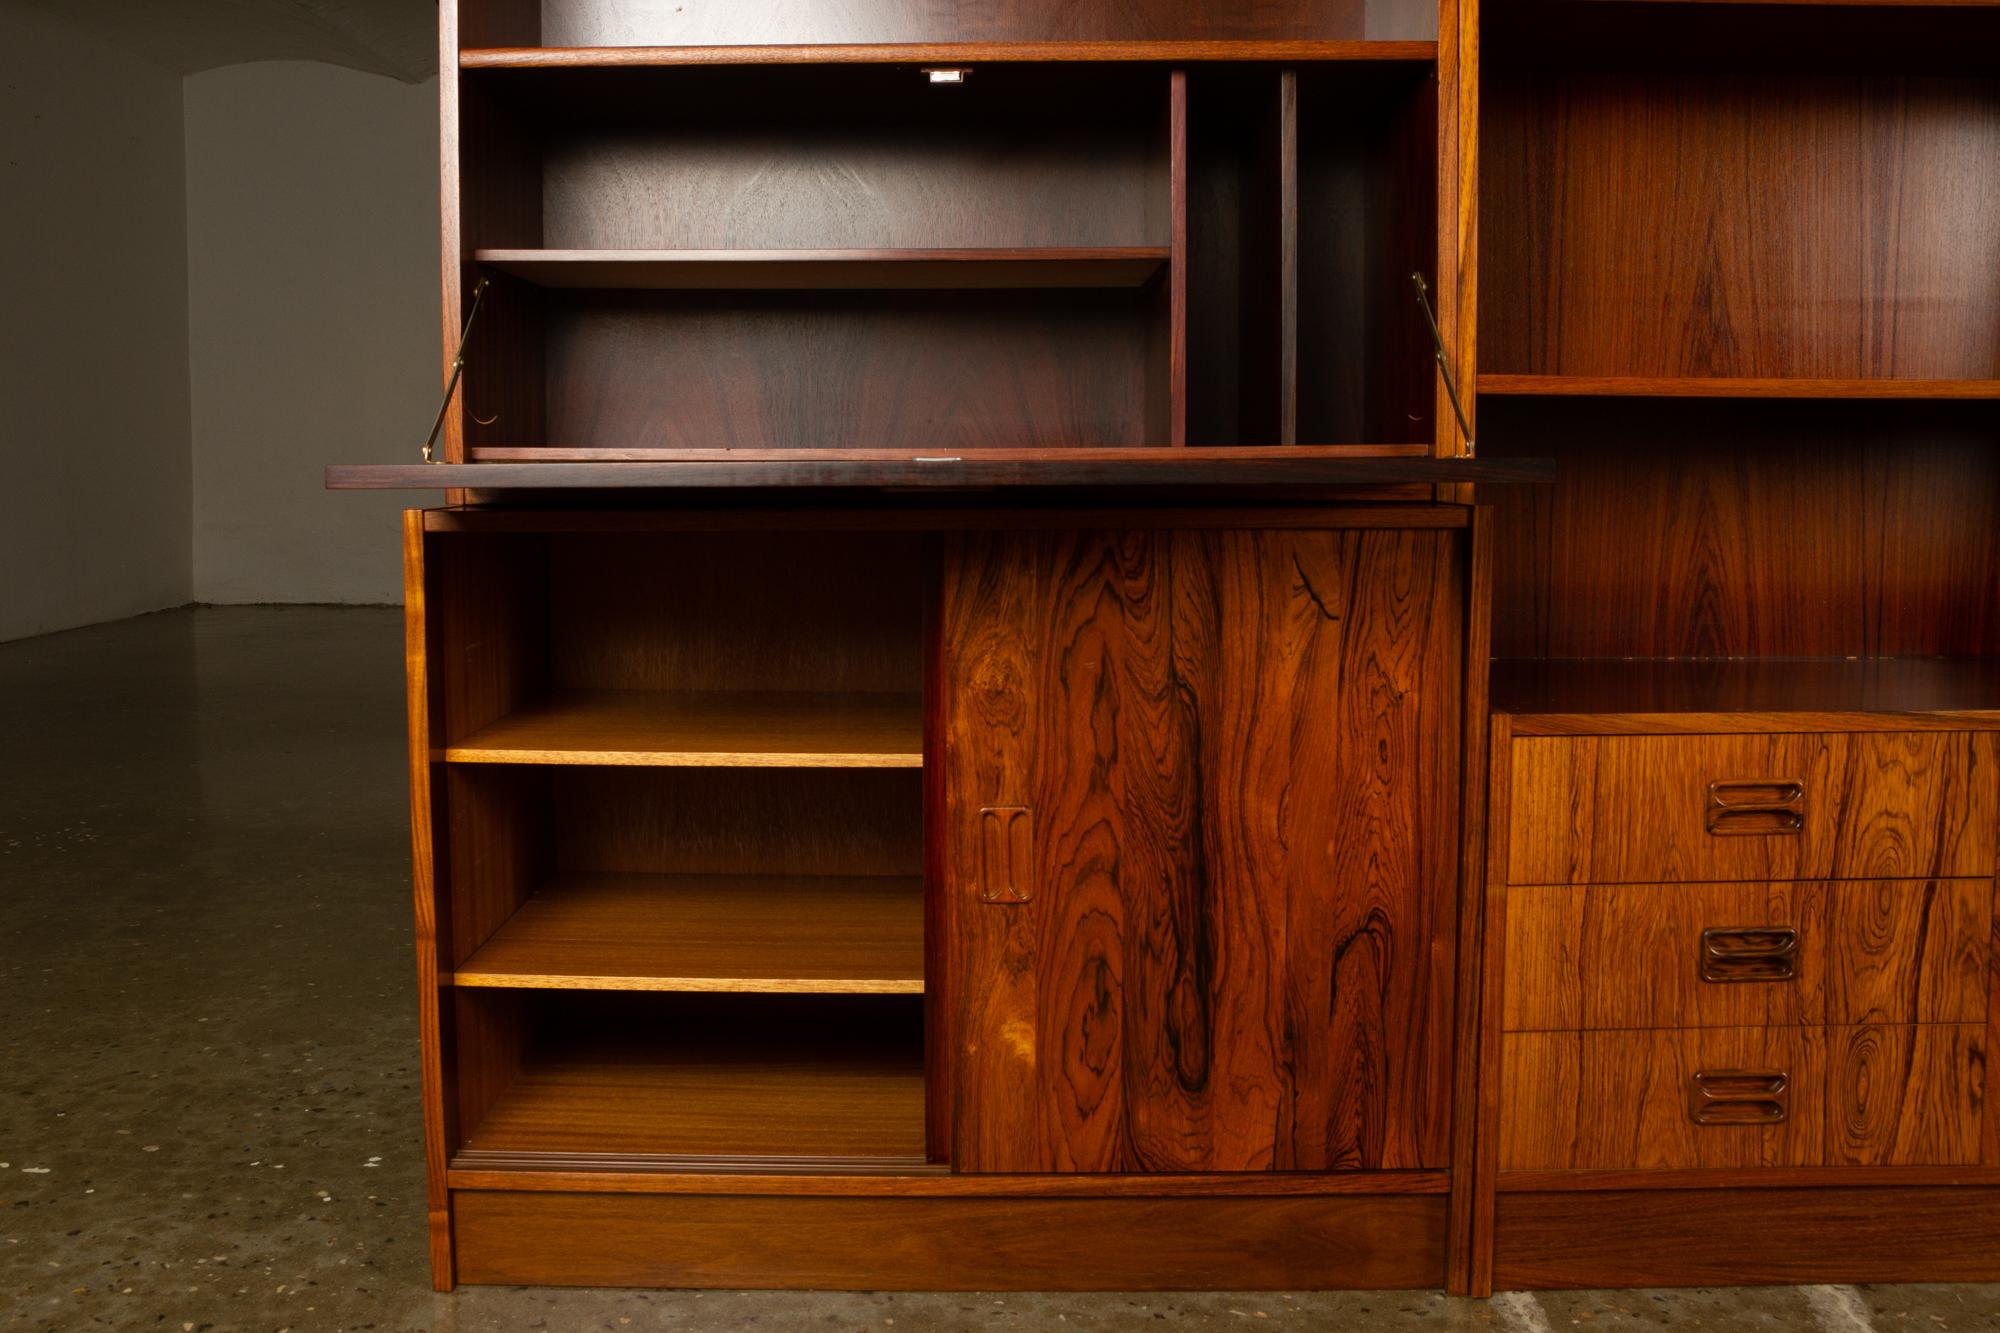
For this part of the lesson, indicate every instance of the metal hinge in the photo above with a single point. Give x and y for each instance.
(1443, 359)
(457, 369)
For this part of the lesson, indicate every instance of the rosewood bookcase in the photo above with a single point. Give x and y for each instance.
(979, 720)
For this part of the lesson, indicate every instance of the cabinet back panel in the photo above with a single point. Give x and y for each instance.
(929, 371)
(736, 821)
(732, 22)
(1747, 529)
(857, 156)
(1824, 226)
(839, 613)
(1238, 300)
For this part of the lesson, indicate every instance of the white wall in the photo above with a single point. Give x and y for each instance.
(94, 511)
(312, 259)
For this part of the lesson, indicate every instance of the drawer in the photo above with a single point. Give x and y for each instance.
(1906, 1095)
(1747, 955)
(1642, 809)
(1697, 1097)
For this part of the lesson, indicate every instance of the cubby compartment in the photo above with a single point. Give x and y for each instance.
(727, 880)
(834, 256)
(682, 650)
(1367, 209)
(1731, 199)
(689, 1082)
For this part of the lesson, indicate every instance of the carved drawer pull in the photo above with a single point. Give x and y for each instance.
(1005, 872)
(1749, 953)
(1751, 808)
(1739, 1097)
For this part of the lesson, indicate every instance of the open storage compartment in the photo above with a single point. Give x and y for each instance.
(686, 767)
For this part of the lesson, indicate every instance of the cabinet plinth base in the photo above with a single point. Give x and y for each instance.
(950, 1244)
(1731, 1237)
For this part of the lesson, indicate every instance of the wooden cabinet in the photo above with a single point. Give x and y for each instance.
(1200, 827)
(1751, 957)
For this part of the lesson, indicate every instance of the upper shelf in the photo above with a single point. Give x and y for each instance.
(956, 53)
(746, 270)
(1299, 465)
(1643, 386)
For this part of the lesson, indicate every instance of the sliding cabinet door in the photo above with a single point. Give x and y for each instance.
(1200, 840)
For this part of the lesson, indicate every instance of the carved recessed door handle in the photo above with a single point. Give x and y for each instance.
(1749, 953)
(1006, 867)
(1741, 809)
(1739, 1096)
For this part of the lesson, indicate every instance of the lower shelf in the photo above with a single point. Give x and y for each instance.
(752, 1084)
(820, 934)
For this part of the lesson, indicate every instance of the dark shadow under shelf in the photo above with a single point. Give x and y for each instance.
(1606, 695)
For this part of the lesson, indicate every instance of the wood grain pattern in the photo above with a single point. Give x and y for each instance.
(815, 935)
(1731, 1178)
(1809, 225)
(1668, 1238)
(1141, 1244)
(1689, 538)
(1628, 956)
(1160, 1003)
(704, 729)
(1906, 1095)
(1620, 1099)
(797, 269)
(1630, 809)
(1910, 952)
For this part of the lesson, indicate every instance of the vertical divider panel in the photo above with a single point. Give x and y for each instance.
(1288, 256)
(1177, 263)
(939, 1031)
(1462, 1245)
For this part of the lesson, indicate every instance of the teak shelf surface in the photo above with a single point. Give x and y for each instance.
(777, 270)
(1161, 466)
(705, 729)
(897, 53)
(757, 933)
(1698, 386)
(816, 1095)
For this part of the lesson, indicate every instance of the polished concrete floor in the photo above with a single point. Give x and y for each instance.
(208, 1101)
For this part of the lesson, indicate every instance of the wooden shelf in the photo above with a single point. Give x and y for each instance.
(796, 270)
(1639, 386)
(1301, 465)
(1591, 696)
(736, 1096)
(813, 934)
(724, 729)
(956, 53)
